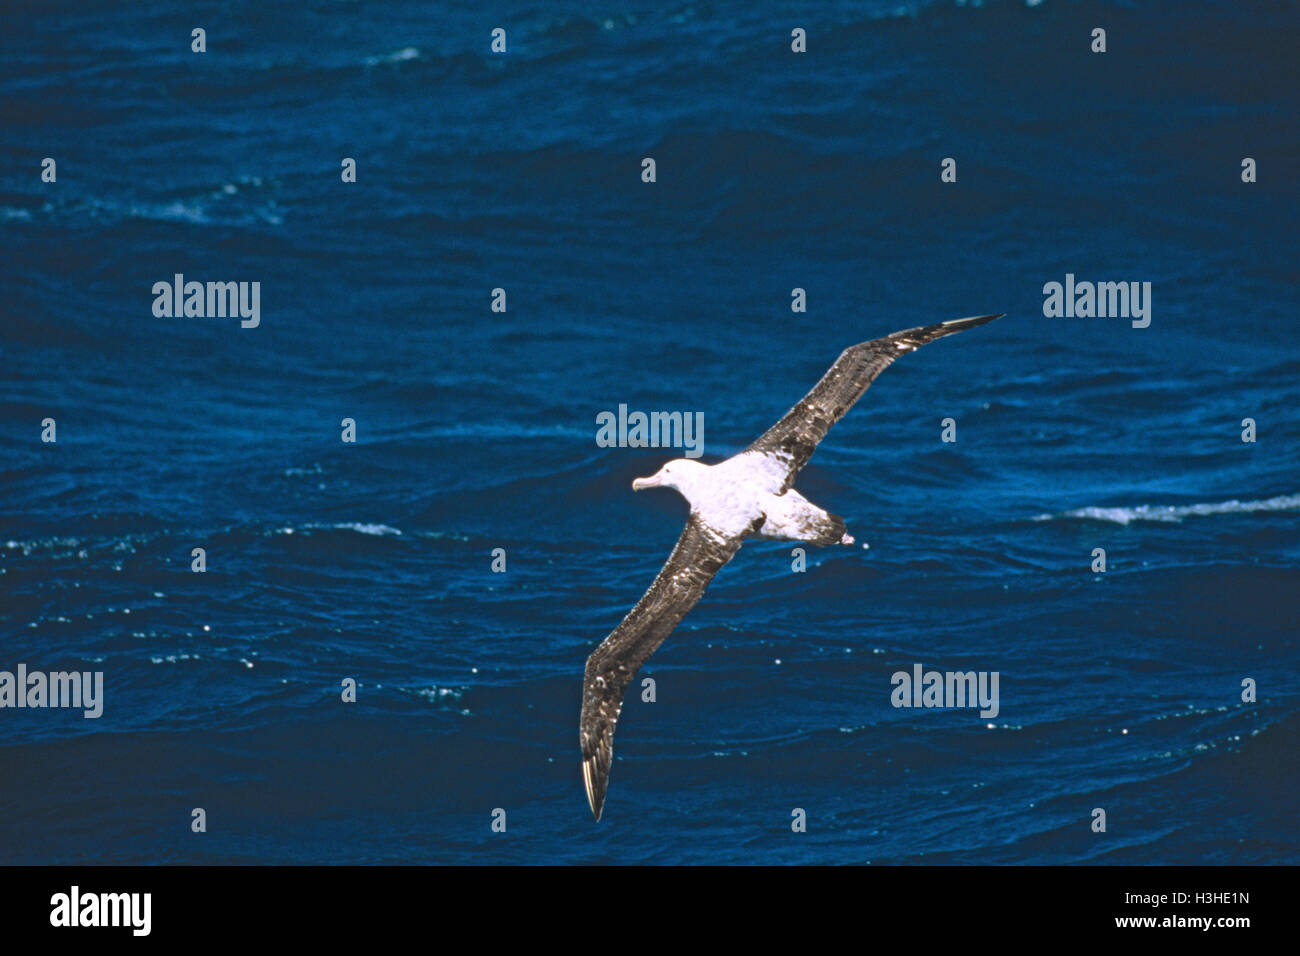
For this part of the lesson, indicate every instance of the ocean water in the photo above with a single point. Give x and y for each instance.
(476, 429)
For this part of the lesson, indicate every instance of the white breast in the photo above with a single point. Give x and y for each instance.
(731, 494)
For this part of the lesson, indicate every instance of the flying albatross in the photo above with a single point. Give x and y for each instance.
(748, 495)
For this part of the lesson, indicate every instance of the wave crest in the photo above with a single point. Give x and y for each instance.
(1176, 513)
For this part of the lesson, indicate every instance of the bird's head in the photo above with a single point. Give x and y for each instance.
(680, 473)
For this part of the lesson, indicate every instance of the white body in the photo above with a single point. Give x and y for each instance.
(728, 497)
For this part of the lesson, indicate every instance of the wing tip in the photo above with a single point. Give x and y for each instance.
(974, 320)
(595, 794)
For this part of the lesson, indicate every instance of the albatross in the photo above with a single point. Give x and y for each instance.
(749, 495)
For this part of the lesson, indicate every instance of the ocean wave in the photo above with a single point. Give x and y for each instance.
(397, 56)
(1176, 513)
(363, 528)
(360, 527)
(237, 202)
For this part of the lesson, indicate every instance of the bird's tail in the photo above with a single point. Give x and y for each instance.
(830, 530)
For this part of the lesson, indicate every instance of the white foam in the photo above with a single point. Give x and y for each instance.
(397, 56)
(379, 529)
(357, 526)
(1176, 513)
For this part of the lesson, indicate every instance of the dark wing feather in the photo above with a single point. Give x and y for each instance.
(793, 439)
(699, 553)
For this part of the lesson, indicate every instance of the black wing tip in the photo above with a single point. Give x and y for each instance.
(971, 321)
(908, 340)
(595, 784)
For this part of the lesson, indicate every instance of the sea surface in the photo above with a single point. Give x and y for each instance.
(476, 429)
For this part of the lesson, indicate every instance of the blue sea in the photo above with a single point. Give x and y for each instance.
(476, 429)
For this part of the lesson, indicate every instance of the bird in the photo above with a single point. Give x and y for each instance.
(749, 495)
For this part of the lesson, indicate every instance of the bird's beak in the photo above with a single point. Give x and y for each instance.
(651, 482)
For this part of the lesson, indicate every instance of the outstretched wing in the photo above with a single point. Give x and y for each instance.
(791, 441)
(699, 553)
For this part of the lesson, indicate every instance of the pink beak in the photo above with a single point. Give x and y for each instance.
(651, 482)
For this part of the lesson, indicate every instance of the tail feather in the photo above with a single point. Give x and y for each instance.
(830, 531)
